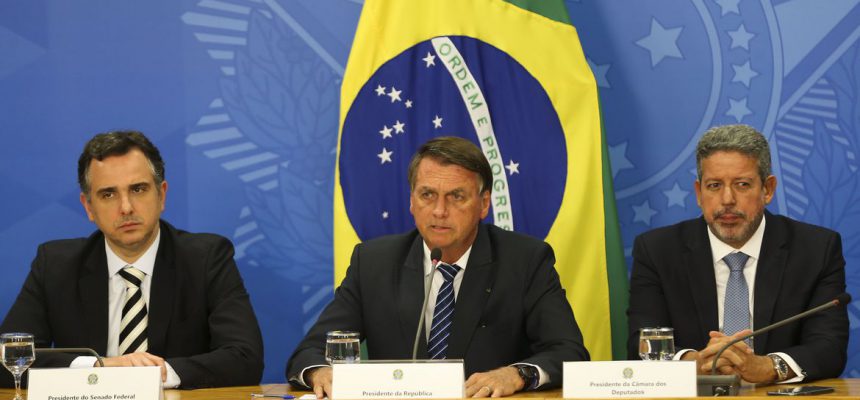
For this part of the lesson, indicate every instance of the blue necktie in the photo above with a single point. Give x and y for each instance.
(736, 308)
(437, 346)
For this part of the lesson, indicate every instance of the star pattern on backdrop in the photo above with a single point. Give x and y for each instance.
(744, 74)
(661, 42)
(738, 109)
(676, 196)
(728, 6)
(740, 37)
(618, 158)
(599, 71)
(643, 213)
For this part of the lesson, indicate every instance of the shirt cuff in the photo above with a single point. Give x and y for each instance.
(83, 362)
(173, 381)
(301, 378)
(799, 375)
(680, 354)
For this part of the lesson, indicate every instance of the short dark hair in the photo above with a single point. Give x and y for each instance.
(454, 150)
(117, 143)
(743, 139)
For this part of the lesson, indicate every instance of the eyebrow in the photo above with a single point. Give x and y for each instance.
(110, 189)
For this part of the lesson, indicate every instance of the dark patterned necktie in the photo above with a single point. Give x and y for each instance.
(437, 346)
(132, 335)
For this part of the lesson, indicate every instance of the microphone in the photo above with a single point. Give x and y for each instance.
(80, 350)
(435, 256)
(720, 388)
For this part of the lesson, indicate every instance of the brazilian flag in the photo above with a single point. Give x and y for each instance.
(511, 77)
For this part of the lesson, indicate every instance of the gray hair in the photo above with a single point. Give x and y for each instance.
(743, 139)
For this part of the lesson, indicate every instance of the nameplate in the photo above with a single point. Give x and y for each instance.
(442, 379)
(608, 379)
(114, 383)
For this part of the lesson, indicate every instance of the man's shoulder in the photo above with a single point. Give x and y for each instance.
(391, 242)
(797, 229)
(675, 232)
(191, 241)
(499, 236)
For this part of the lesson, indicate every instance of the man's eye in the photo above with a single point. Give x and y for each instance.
(107, 195)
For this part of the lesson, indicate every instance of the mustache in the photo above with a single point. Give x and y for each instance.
(131, 218)
(736, 213)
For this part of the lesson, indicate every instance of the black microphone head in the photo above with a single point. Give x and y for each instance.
(435, 255)
(843, 299)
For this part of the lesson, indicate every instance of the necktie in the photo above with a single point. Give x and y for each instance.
(132, 335)
(736, 308)
(437, 346)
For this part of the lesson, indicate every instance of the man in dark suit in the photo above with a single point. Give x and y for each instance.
(139, 290)
(740, 267)
(511, 322)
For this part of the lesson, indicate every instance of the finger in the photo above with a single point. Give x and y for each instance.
(327, 388)
(319, 391)
(483, 391)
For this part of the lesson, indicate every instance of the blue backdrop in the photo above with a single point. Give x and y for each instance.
(242, 98)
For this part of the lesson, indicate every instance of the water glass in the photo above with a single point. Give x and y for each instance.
(656, 344)
(342, 347)
(18, 352)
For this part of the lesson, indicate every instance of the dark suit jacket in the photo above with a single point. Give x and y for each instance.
(510, 307)
(200, 316)
(800, 267)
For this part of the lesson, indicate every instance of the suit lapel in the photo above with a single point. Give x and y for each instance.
(162, 291)
(702, 283)
(410, 296)
(93, 289)
(473, 294)
(768, 277)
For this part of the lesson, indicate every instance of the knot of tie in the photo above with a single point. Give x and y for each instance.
(449, 271)
(133, 276)
(736, 261)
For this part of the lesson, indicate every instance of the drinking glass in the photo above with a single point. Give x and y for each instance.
(18, 353)
(342, 347)
(656, 344)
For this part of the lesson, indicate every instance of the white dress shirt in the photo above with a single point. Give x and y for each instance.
(752, 248)
(116, 300)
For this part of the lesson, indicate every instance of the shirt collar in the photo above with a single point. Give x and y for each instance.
(428, 264)
(752, 247)
(145, 263)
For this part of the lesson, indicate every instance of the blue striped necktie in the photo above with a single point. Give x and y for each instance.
(736, 308)
(437, 346)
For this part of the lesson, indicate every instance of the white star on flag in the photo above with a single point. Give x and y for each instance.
(385, 215)
(386, 132)
(408, 103)
(385, 156)
(430, 60)
(513, 168)
(394, 94)
(380, 90)
(437, 122)
(398, 127)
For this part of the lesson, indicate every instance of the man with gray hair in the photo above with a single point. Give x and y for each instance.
(737, 268)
